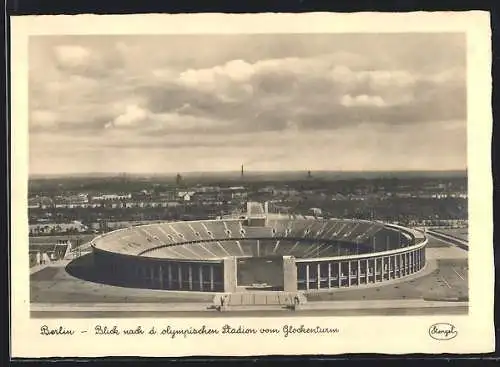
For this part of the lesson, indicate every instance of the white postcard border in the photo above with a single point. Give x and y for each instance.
(390, 335)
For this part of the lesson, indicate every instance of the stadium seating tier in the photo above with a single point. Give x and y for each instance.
(215, 239)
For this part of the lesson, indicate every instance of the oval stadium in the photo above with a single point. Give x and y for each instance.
(259, 251)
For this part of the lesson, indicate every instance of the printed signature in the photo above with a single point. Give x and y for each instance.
(443, 331)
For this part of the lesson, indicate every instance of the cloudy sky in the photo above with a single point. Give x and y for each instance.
(159, 104)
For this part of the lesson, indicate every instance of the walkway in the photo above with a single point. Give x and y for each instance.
(198, 307)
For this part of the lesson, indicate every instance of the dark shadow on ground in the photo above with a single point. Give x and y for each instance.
(83, 268)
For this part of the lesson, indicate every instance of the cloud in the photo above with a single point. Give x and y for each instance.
(133, 115)
(389, 78)
(151, 123)
(362, 100)
(233, 71)
(43, 119)
(71, 56)
(145, 91)
(310, 91)
(87, 61)
(316, 92)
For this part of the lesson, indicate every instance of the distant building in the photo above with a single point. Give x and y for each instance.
(207, 189)
(185, 195)
(110, 197)
(339, 196)
(316, 211)
(167, 195)
(50, 228)
(40, 202)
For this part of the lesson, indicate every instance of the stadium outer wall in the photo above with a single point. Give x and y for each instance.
(300, 274)
(361, 270)
(167, 274)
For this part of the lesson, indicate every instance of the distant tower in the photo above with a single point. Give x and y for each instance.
(178, 179)
(309, 175)
(242, 171)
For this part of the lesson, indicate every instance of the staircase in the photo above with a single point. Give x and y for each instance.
(258, 300)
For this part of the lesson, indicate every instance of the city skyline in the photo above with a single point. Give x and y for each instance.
(289, 102)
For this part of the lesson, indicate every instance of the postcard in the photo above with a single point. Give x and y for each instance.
(251, 184)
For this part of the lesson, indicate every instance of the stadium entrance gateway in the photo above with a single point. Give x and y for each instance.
(267, 273)
(270, 273)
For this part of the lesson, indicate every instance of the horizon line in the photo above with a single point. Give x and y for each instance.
(111, 173)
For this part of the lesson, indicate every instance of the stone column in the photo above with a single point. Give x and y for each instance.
(413, 261)
(384, 269)
(401, 266)
(349, 273)
(211, 277)
(407, 267)
(229, 268)
(367, 272)
(329, 275)
(408, 264)
(318, 267)
(289, 274)
(307, 277)
(359, 271)
(169, 275)
(340, 274)
(160, 275)
(190, 276)
(200, 276)
(179, 274)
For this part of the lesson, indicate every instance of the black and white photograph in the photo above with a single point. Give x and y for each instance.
(232, 175)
